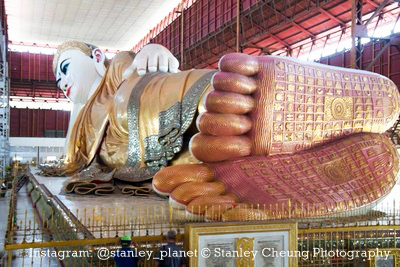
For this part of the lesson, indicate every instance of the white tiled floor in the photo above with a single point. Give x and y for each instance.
(113, 201)
(104, 208)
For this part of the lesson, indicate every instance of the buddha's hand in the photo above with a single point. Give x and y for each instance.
(153, 58)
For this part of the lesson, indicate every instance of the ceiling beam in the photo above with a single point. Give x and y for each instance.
(262, 49)
(328, 14)
(331, 16)
(377, 12)
(264, 30)
(303, 29)
(376, 5)
(281, 41)
(292, 21)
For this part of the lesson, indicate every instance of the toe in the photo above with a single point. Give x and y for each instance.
(233, 82)
(185, 193)
(166, 180)
(239, 63)
(209, 148)
(223, 124)
(232, 103)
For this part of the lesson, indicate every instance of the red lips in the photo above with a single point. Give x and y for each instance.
(68, 91)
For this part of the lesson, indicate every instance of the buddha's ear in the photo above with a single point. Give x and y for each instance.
(98, 59)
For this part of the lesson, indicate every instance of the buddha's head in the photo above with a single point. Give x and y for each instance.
(77, 66)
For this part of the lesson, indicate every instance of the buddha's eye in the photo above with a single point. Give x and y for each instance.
(64, 68)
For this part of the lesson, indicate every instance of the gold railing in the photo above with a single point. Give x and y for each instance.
(351, 246)
(347, 246)
(351, 231)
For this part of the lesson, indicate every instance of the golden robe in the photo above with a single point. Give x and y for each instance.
(138, 125)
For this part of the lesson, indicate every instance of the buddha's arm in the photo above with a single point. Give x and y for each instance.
(150, 115)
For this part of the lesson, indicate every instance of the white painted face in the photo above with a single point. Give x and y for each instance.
(75, 75)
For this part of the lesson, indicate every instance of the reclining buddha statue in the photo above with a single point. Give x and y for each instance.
(262, 130)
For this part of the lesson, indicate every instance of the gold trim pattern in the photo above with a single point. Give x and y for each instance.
(338, 108)
(159, 149)
(335, 172)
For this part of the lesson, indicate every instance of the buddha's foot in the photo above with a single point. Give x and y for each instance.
(277, 105)
(342, 175)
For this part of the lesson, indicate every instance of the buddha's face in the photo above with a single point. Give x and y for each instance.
(75, 75)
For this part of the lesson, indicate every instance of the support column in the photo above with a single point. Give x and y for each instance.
(182, 35)
(356, 19)
(238, 26)
(4, 105)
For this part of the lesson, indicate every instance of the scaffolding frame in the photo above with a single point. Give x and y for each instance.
(4, 103)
